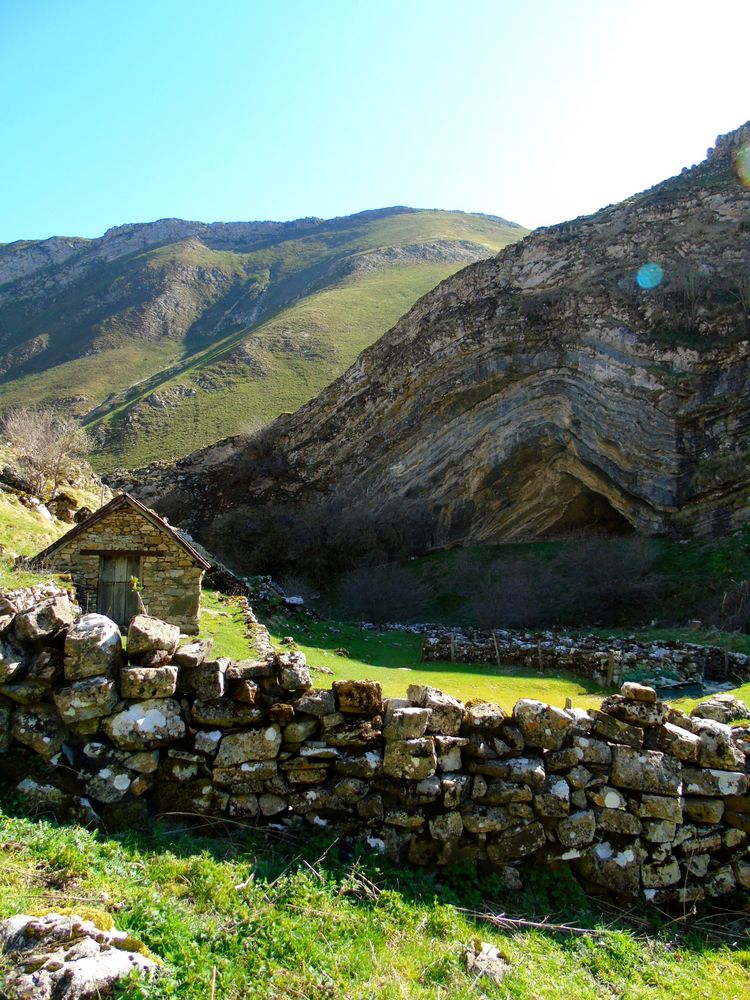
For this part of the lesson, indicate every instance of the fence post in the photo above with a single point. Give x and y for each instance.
(611, 668)
(497, 651)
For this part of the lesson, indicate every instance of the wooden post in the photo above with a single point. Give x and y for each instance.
(453, 647)
(497, 651)
(611, 668)
(539, 655)
(568, 704)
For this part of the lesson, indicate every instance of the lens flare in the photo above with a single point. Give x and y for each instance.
(649, 275)
(742, 164)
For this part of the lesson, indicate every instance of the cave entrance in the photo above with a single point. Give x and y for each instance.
(590, 512)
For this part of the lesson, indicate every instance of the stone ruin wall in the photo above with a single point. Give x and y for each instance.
(638, 798)
(664, 663)
(170, 578)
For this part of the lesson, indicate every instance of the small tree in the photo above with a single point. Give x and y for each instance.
(49, 444)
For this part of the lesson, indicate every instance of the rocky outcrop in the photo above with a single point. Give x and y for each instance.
(562, 384)
(65, 955)
(639, 798)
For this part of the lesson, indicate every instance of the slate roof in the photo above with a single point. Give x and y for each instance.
(124, 500)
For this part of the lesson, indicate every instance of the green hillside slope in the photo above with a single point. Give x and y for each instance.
(168, 347)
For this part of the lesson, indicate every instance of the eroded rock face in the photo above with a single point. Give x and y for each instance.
(540, 391)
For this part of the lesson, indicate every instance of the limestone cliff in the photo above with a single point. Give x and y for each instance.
(557, 385)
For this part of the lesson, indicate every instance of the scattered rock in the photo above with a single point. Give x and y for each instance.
(65, 955)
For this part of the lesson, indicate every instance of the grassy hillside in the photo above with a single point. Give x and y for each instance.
(167, 349)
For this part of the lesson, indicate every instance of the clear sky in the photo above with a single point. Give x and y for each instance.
(117, 111)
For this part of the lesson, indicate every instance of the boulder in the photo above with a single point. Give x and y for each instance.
(614, 870)
(11, 662)
(447, 713)
(645, 771)
(207, 680)
(148, 682)
(542, 725)
(145, 725)
(151, 635)
(252, 745)
(483, 715)
(717, 748)
(316, 702)
(411, 759)
(45, 619)
(109, 784)
(578, 829)
(66, 955)
(92, 698)
(407, 724)
(636, 712)
(293, 672)
(39, 728)
(192, 654)
(516, 844)
(638, 692)
(723, 707)
(93, 648)
(712, 783)
(224, 713)
(358, 697)
(449, 826)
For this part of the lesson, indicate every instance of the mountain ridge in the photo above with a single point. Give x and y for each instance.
(538, 391)
(148, 304)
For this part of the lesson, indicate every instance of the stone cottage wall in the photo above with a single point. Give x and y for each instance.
(638, 798)
(170, 578)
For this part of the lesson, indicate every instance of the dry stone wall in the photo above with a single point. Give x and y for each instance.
(638, 798)
(662, 663)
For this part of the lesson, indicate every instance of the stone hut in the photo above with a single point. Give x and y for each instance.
(122, 540)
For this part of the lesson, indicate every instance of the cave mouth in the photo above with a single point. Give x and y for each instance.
(590, 512)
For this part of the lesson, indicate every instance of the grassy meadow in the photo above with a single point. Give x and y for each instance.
(235, 914)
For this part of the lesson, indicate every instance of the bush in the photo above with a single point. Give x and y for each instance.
(50, 445)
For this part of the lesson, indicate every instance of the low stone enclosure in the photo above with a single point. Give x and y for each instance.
(608, 661)
(639, 799)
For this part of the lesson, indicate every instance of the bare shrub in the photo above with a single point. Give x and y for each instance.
(49, 445)
(733, 614)
(591, 579)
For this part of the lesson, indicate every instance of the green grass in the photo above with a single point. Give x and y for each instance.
(221, 620)
(393, 659)
(295, 918)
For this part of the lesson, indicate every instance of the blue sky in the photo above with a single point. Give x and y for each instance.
(539, 111)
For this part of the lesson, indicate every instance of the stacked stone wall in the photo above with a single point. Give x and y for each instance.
(170, 578)
(640, 799)
(663, 663)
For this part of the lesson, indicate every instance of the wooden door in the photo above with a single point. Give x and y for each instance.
(116, 599)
